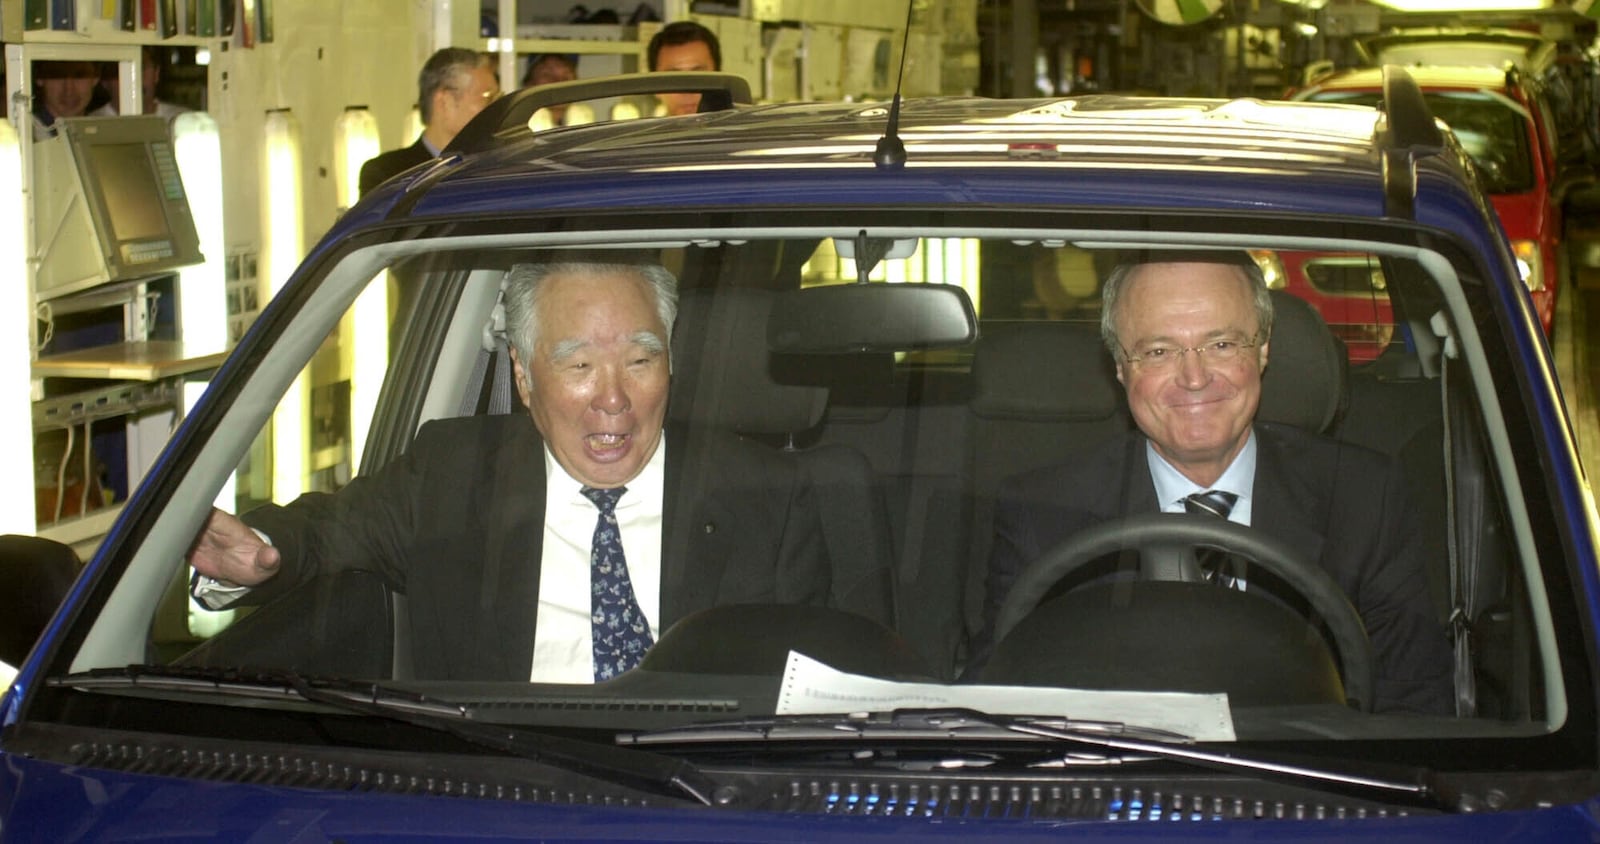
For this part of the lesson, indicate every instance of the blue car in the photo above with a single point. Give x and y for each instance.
(866, 373)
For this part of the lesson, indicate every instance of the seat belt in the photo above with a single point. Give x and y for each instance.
(1463, 550)
(492, 347)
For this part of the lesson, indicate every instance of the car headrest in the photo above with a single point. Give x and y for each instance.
(722, 370)
(1305, 383)
(1060, 371)
(1043, 371)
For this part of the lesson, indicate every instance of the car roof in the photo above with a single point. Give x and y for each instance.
(1463, 45)
(1061, 152)
(1427, 76)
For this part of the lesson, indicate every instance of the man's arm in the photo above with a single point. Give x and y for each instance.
(1413, 660)
(372, 175)
(1013, 546)
(803, 571)
(854, 524)
(368, 525)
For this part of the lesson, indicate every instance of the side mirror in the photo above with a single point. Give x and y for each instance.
(35, 577)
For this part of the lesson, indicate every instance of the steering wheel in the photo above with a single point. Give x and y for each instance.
(1167, 543)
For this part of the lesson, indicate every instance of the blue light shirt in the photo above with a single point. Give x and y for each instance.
(1239, 478)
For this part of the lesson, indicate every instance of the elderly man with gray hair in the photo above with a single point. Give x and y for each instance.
(555, 551)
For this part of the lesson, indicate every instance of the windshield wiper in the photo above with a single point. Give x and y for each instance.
(1409, 785)
(259, 684)
(956, 724)
(656, 772)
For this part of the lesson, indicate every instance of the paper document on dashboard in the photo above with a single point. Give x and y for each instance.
(812, 688)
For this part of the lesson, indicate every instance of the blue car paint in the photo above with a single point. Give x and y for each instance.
(89, 805)
(42, 800)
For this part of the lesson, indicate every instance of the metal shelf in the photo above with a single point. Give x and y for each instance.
(116, 400)
(143, 360)
(84, 532)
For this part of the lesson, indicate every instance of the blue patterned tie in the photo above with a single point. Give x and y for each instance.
(621, 632)
(1217, 567)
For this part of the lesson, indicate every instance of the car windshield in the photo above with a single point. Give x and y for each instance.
(1492, 129)
(866, 419)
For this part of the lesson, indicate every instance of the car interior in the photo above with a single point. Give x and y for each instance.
(908, 430)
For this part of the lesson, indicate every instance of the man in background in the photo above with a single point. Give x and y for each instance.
(61, 89)
(683, 46)
(454, 85)
(548, 69)
(149, 78)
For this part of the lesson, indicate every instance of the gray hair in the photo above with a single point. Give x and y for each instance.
(446, 69)
(524, 281)
(1117, 283)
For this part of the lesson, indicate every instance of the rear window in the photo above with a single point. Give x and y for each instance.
(1492, 130)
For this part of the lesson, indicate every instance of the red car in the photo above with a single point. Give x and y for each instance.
(1347, 288)
(1504, 121)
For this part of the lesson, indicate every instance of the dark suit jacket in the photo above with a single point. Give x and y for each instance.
(382, 168)
(457, 525)
(1345, 506)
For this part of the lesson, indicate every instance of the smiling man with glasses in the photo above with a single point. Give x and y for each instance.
(1191, 337)
(1196, 408)
(454, 85)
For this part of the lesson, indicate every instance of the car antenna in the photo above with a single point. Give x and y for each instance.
(890, 154)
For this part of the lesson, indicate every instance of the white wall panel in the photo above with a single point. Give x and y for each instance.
(324, 57)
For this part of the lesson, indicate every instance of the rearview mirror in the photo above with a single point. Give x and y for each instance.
(850, 318)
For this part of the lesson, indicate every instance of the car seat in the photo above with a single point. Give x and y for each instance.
(1044, 391)
(723, 378)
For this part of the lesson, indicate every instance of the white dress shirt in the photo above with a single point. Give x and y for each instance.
(1239, 478)
(563, 649)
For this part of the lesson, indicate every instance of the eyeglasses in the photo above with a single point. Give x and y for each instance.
(486, 96)
(1213, 353)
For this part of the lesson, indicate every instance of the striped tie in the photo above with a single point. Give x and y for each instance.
(1216, 566)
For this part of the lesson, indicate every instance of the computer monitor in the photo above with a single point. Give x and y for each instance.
(109, 204)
